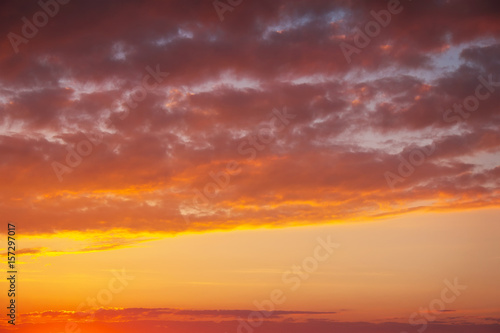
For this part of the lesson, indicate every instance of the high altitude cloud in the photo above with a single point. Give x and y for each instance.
(353, 124)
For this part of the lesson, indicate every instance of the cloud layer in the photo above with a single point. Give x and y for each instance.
(88, 98)
(174, 320)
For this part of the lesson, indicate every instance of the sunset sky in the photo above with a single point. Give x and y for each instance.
(251, 166)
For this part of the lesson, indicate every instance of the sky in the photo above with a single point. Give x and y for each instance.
(251, 166)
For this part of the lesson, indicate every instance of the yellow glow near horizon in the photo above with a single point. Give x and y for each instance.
(377, 265)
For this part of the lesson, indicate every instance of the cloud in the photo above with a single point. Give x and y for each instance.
(157, 320)
(352, 123)
(30, 251)
(158, 314)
